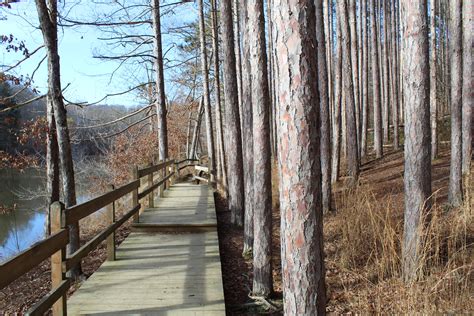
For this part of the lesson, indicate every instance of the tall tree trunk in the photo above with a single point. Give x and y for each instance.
(354, 52)
(238, 57)
(217, 88)
(207, 95)
(386, 81)
(188, 135)
(161, 110)
(262, 177)
(378, 147)
(247, 132)
(365, 80)
(455, 51)
(417, 175)
(52, 157)
(233, 135)
(433, 84)
(468, 87)
(336, 135)
(304, 289)
(324, 108)
(197, 129)
(47, 14)
(351, 127)
(52, 161)
(394, 75)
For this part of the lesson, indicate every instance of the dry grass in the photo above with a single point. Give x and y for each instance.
(364, 257)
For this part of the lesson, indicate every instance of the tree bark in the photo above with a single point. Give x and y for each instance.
(386, 81)
(207, 96)
(324, 108)
(238, 59)
(417, 175)
(351, 126)
(433, 84)
(197, 129)
(303, 271)
(468, 87)
(217, 88)
(455, 51)
(247, 132)
(47, 14)
(336, 135)
(262, 176)
(161, 110)
(365, 80)
(52, 157)
(233, 135)
(378, 147)
(354, 52)
(395, 75)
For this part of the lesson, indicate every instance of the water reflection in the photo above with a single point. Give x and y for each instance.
(27, 223)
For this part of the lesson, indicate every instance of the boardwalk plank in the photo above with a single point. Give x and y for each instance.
(161, 274)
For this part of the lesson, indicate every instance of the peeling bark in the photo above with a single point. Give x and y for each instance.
(324, 108)
(232, 119)
(207, 95)
(455, 52)
(247, 133)
(417, 177)
(468, 87)
(378, 146)
(262, 175)
(299, 157)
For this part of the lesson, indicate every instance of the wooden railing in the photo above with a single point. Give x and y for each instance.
(55, 245)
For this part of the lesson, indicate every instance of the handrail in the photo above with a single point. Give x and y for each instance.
(55, 245)
(31, 257)
(78, 212)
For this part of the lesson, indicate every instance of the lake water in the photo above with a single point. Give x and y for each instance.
(25, 225)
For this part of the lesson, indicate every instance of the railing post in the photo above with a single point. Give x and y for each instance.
(165, 174)
(176, 172)
(135, 194)
(57, 259)
(151, 196)
(110, 211)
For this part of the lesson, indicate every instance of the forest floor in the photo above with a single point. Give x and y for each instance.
(362, 249)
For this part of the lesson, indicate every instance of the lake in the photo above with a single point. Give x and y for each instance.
(25, 225)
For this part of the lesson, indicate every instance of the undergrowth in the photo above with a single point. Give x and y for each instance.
(369, 235)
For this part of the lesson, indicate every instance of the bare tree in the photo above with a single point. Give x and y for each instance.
(351, 126)
(336, 135)
(324, 108)
(417, 175)
(433, 83)
(233, 136)
(455, 52)
(217, 89)
(47, 14)
(378, 146)
(247, 132)
(161, 110)
(262, 176)
(303, 272)
(365, 80)
(207, 94)
(467, 90)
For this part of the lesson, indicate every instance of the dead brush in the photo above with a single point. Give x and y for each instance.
(371, 232)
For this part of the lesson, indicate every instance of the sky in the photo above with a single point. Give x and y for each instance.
(89, 78)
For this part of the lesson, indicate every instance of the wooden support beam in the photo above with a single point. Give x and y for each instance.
(57, 274)
(111, 239)
(135, 192)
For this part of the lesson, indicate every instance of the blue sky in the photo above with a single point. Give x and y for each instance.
(89, 78)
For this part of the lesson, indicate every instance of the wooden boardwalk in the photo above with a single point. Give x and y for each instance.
(156, 273)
